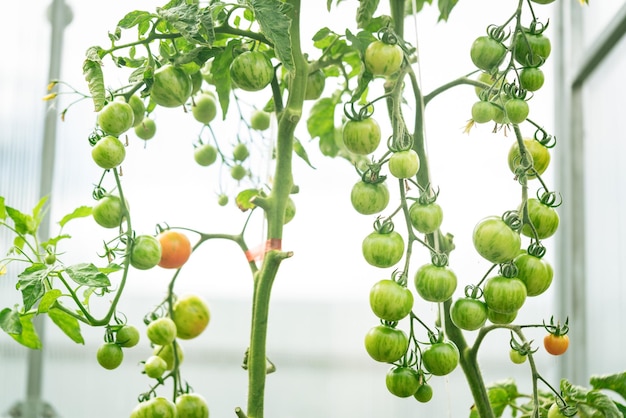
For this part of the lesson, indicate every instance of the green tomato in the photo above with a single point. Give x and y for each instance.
(315, 84)
(167, 353)
(172, 86)
(538, 153)
(154, 367)
(116, 117)
(110, 356)
(555, 412)
(544, 219)
(145, 253)
(500, 318)
(434, 283)
(161, 331)
(516, 110)
(383, 249)
(468, 313)
(160, 407)
(204, 108)
(205, 155)
(109, 152)
(361, 137)
(383, 59)
(402, 381)
(531, 78)
(222, 200)
(127, 336)
(386, 344)
(251, 71)
(390, 301)
(404, 164)
(146, 129)
(487, 53)
(426, 218)
(441, 358)
(191, 405)
(238, 172)
(516, 357)
(424, 393)
(260, 120)
(483, 111)
(531, 50)
(240, 152)
(504, 295)
(369, 198)
(495, 241)
(536, 273)
(108, 212)
(191, 316)
(139, 109)
(487, 78)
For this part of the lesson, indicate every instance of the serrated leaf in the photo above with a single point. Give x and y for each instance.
(603, 403)
(87, 274)
(275, 25)
(134, 18)
(24, 224)
(67, 323)
(300, 151)
(28, 337)
(445, 7)
(48, 300)
(615, 382)
(321, 34)
(243, 199)
(80, 212)
(92, 71)
(10, 321)
(31, 285)
(587, 399)
(365, 12)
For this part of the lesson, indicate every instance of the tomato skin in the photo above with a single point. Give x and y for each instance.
(483, 111)
(260, 120)
(160, 407)
(404, 164)
(383, 59)
(516, 110)
(172, 86)
(504, 295)
(468, 313)
(154, 367)
(238, 172)
(487, 53)
(175, 249)
(109, 152)
(535, 272)
(161, 331)
(204, 108)
(315, 83)
(116, 117)
(424, 393)
(516, 357)
(441, 358)
(110, 356)
(145, 253)
(240, 152)
(251, 71)
(361, 137)
(205, 155)
(500, 318)
(426, 218)
(386, 344)
(383, 250)
(544, 218)
(540, 156)
(495, 241)
(402, 381)
(139, 109)
(487, 78)
(532, 50)
(556, 344)
(434, 283)
(191, 405)
(145, 129)
(390, 301)
(166, 352)
(531, 78)
(127, 336)
(108, 212)
(191, 316)
(369, 198)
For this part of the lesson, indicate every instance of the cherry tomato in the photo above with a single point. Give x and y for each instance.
(426, 218)
(424, 393)
(175, 249)
(404, 164)
(369, 198)
(531, 78)
(154, 367)
(161, 331)
(386, 344)
(167, 353)
(139, 109)
(191, 405)
(468, 313)
(500, 318)
(108, 212)
(531, 49)
(127, 336)
(383, 249)
(483, 111)
(240, 152)
(260, 120)
(205, 155)
(251, 71)
(315, 84)
(110, 356)
(544, 219)
(516, 357)
(402, 381)
(145, 129)
(539, 156)
(434, 283)
(361, 136)
(116, 117)
(390, 301)
(487, 53)
(238, 172)
(204, 108)
(504, 295)
(441, 358)
(536, 273)
(382, 58)
(516, 110)
(172, 86)
(556, 344)
(191, 316)
(109, 152)
(145, 253)
(495, 241)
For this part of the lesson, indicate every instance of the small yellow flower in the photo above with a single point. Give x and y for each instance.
(51, 85)
(3, 269)
(49, 97)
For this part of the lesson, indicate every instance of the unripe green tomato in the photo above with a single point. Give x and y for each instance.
(238, 172)
(127, 336)
(109, 152)
(155, 366)
(161, 331)
(404, 164)
(290, 211)
(110, 356)
(240, 152)
(424, 393)
(516, 357)
(205, 155)
(222, 200)
(146, 129)
(382, 58)
(172, 86)
(191, 405)
(145, 252)
(139, 109)
(108, 211)
(204, 108)
(116, 117)
(260, 120)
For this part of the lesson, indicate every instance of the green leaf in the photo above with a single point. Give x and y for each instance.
(321, 119)
(68, 324)
(28, 337)
(87, 274)
(24, 224)
(111, 268)
(365, 12)
(3, 209)
(54, 240)
(31, 283)
(48, 300)
(10, 321)
(275, 25)
(80, 212)
(589, 400)
(499, 399)
(243, 199)
(220, 68)
(615, 382)
(419, 5)
(300, 151)
(134, 18)
(445, 7)
(92, 71)
(321, 34)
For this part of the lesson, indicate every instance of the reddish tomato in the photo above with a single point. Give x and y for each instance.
(175, 249)
(556, 344)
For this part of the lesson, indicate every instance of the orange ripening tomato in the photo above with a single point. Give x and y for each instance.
(175, 249)
(556, 344)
